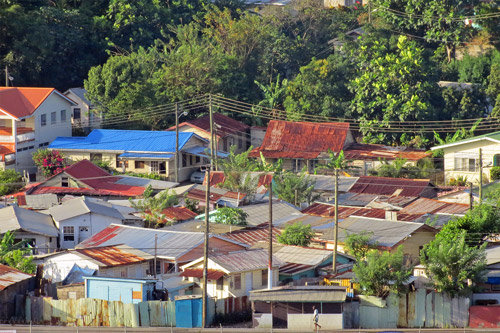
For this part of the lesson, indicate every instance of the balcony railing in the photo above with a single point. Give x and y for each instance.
(23, 134)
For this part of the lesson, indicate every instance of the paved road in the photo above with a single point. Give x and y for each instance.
(27, 329)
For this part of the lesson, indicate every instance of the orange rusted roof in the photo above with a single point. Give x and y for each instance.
(303, 140)
(178, 213)
(20, 102)
(360, 151)
(212, 274)
(431, 206)
(111, 255)
(10, 276)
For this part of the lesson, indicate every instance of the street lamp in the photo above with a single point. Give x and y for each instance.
(177, 116)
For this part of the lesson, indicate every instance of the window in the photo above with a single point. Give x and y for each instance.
(139, 164)
(197, 160)
(220, 283)
(121, 164)
(265, 274)
(76, 113)
(466, 164)
(31, 147)
(184, 160)
(69, 234)
(158, 266)
(53, 117)
(95, 157)
(43, 120)
(63, 116)
(43, 144)
(240, 143)
(237, 281)
(154, 166)
(64, 182)
(496, 160)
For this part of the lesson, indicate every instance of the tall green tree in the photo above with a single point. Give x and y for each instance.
(438, 21)
(151, 207)
(16, 254)
(294, 188)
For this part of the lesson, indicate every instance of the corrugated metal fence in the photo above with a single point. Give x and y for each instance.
(95, 312)
(416, 309)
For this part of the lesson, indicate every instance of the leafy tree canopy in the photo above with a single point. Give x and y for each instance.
(229, 215)
(151, 206)
(296, 234)
(15, 254)
(294, 188)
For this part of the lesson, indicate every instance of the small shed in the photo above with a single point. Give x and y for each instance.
(292, 307)
(118, 289)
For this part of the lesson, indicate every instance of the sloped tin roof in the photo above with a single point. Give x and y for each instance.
(392, 186)
(10, 276)
(16, 218)
(303, 140)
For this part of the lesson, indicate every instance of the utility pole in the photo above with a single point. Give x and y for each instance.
(336, 230)
(176, 142)
(480, 175)
(205, 250)
(216, 144)
(471, 197)
(270, 269)
(211, 130)
(6, 76)
(154, 263)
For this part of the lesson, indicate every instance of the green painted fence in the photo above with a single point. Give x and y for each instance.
(95, 312)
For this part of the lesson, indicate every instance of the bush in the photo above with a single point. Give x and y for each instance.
(459, 181)
(50, 162)
(228, 215)
(296, 234)
(495, 173)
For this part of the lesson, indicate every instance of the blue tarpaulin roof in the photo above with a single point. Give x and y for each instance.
(146, 156)
(124, 140)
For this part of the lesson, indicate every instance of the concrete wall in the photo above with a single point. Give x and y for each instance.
(305, 321)
(262, 320)
(72, 291)
(57, 267)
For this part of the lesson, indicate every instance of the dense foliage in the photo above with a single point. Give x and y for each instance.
(10, 181)
(296, 234)
(49, 162)
(16, 255)
(229, 215)
(152, 206)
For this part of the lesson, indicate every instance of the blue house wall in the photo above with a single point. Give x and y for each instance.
(125, 290)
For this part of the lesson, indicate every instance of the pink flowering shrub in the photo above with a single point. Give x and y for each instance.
(50, 162)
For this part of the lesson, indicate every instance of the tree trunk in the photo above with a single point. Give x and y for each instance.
(450, 51)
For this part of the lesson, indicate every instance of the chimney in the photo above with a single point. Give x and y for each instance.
(391, 215)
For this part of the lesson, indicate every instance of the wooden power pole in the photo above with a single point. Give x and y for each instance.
(480, 175)
(270, 269)
(336, 230)
(205, 250)
(176, 142)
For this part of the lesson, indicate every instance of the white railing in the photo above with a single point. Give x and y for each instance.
(6, 138)
(26, 136)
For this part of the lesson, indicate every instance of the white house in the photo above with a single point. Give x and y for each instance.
(80, 218)
(109, 261)
(35, 228)
(83, 114)
(30, 118)
(233, 274)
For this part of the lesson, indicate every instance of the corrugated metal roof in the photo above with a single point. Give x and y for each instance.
(300, 294)
(145, 182)
(212, 274)
(302, 255)
(40, 201)
(202, 152)
(424, 205)
(386, 233)
(80, 92)
(372, 152)
(291, 268)
(10, 276)
(115, 255)
(217, 178)
(170, 244)
(393, 186)
(124, 141)
(198, 225)
(327, 183)
(492, 255)
(146, 156)
(304, 140)
(252, 236)
(246, 260)
(84, 205)
(225, 125)
(16, 218)
(259, 213)
(179, 213)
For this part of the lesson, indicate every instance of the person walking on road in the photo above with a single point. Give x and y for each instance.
(316, 319)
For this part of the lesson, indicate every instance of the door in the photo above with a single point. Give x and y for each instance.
(163, 168)
(280, 315)
(248, 282)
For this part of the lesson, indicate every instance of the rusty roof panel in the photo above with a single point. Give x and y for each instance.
(252, 236)
(359, 151)
(111, 255)
(304, 140)
(10, 276)
(179, 213)
(393, 186)
(430, 206)
(246, 260)
(199, 195)
(212, 274)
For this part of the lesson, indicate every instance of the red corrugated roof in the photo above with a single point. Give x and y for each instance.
(103, 235)
(178, 213)
(10, 276)
(392, 186)
(285, 139)
(217, 178)
(21, 102)
(212, 274)
(199, 195)
(431, 206)
(252, 236)
(358, 151)
(111, 256)
(100, 182)
(225, 125)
